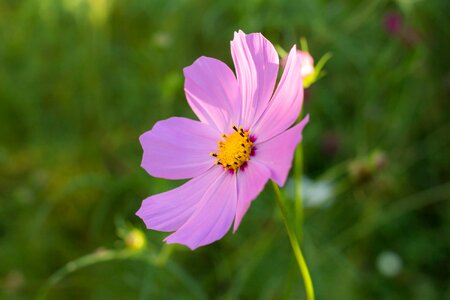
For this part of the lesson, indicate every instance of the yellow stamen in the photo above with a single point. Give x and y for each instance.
(234, 150)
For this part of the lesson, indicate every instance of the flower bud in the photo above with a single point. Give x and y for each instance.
(135, 240)
(306, 62)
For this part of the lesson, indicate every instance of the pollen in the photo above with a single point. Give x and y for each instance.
(234, 150)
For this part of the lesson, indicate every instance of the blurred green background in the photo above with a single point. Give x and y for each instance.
(80, 80)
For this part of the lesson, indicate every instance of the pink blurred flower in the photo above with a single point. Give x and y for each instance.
(306, 62)
(393, 22)
(242, 140)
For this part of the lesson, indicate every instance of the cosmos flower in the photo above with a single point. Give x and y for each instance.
(242, 140)
(306, 63)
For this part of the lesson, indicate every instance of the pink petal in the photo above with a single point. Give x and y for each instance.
(278, 152)
(256, 63)
(251, 181)
(168, 211)
(213, 215)
(212, 92)
(178, 148)
(284, 108)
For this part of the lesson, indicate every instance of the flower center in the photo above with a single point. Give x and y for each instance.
(234, 150)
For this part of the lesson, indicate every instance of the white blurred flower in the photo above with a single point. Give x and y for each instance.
(162, 39)
(314, 193)
(389, 263)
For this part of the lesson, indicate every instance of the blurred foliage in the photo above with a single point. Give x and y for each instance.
(80, 80)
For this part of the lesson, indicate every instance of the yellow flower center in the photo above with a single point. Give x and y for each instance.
(234, 150)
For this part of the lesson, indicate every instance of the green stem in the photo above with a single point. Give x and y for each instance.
(82, 262)
(295, 245)
(298, 200)
(164, 254)
(162, 261)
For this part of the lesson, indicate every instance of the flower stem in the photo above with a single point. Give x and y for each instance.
(162, 261)
(295, 245)
(298, 200)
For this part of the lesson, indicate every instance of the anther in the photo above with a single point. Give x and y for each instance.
(233, 149)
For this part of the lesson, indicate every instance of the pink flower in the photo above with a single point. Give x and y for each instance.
(393, 22)
(306, 63)
(242, 140)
